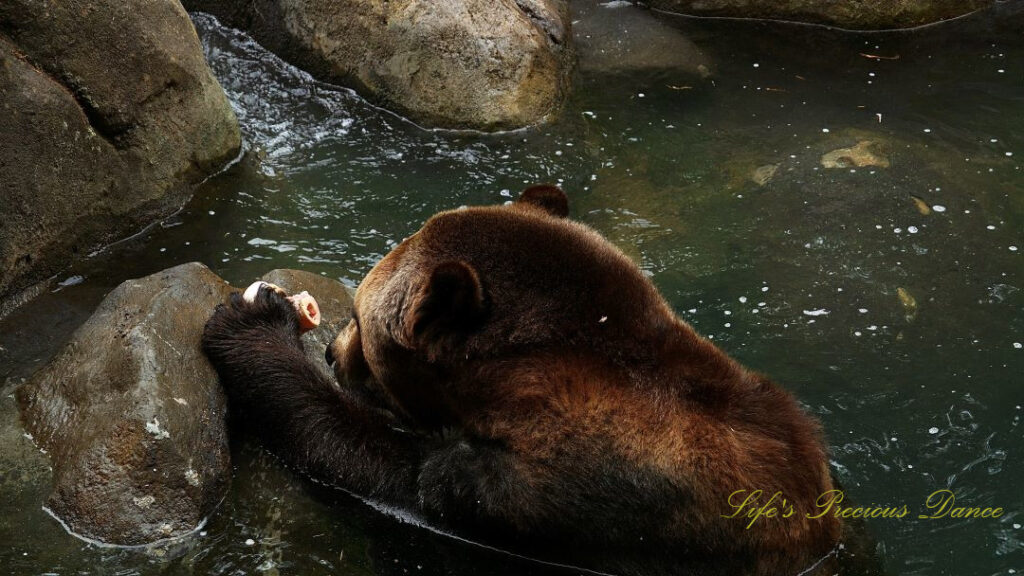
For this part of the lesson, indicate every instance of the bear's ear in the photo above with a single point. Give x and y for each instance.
(450, 303)
(548, 197)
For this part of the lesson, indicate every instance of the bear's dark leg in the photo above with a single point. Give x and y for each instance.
(582, 494)
(298, 412)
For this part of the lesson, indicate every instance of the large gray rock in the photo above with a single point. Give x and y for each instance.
(131, 415)
(852, 14)
(482, 64)
(110, 116)
(130, 412)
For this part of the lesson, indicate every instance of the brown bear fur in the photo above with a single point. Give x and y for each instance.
(511, 375)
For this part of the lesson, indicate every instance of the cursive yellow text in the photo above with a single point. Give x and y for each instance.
(942, 502)
(830, 502)
(751, 508)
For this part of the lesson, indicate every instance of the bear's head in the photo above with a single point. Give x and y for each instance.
(477, 289)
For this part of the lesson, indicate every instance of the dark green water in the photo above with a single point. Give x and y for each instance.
(800, 278)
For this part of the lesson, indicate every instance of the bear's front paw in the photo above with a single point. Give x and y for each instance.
(268, 309)
(265, 302)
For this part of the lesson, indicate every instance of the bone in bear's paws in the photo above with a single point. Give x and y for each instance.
(305, 305)
(250, 293)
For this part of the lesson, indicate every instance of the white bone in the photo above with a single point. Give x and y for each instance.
(250, 293)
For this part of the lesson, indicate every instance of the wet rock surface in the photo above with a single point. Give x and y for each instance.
(860, 15)
(130, 412)
(110, 116)
(131, 415)
(475, 64)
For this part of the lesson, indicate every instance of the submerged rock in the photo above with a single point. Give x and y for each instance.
(922, 207)
(619, 37)
(861, 15)
(908, 302)
(764, 174)
(131, 415)
(447, 63)
(110, 116)
(864, 153)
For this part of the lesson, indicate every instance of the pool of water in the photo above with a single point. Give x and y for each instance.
(901, 330)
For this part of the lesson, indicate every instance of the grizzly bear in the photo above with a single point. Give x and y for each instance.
(511, 376)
